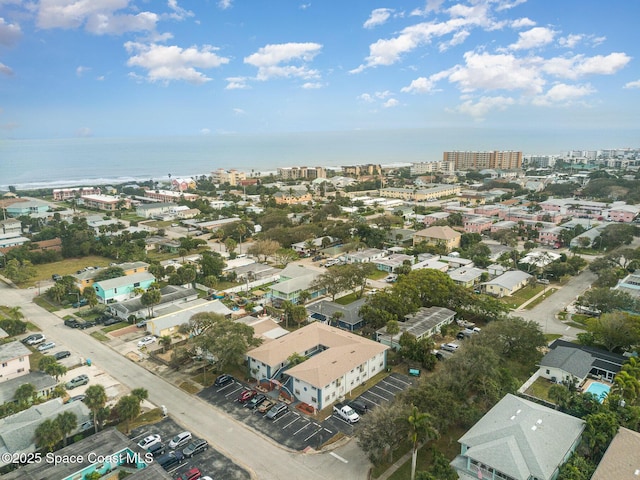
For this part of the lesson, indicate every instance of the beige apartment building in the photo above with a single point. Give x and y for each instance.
(294, 173)
(232, 177)
(501, 160)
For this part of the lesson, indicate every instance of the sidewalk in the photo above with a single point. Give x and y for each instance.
(532, 299)
(392, 469)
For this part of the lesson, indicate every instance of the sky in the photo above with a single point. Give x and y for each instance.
(120, 68)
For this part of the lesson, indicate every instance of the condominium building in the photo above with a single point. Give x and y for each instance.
(232, 177)
(505, 160)
(294, 173)
(66, 193)
(360, 170)
(105, 202)
(423, 168)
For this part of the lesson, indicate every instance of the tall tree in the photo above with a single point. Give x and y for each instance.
(420, 428)
(48, 434)
(25, 394)
(150, 298)
(67, 423)
(95, 399)
(128, 408)
(140, 393)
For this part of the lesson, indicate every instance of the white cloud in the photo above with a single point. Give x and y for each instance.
(507, 5)
(224, 4)
(312, 85)
(239, 111)
(457, 39)
(10, 33)
(579, 65)
(522, 23)
(570, 41)
(5, 70)
(484, 105)
(365, 97)
(98, 16)
(431, 6)
(484, 71)
(205, 131)
(378, 17)
(178, 13)
(304, 6)
(563, 94)
(80, 70)
(270, 59)
(392, 102)
(634, 84)
(84, 132)
(536, 37)
(236, 83)
(419, 85)
(167, 63)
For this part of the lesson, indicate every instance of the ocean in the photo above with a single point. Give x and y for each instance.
(30, 164)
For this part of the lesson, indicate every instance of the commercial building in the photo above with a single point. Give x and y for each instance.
(504, 160)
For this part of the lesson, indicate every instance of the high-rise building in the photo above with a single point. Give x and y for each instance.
(232, 177)
(502, 160)
(309, 173)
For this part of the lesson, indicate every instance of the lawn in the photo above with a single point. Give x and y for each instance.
(540, 389)
(522, 295)
(378, 275)
(541, 298)
(67, 267)
(116, 326)
(347, 299)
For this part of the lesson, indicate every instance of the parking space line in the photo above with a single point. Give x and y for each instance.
(291, 422)
(391, 385)
(393, 394)
(368, 399)
(314, 433)
(400, 380)
(383, 398)
(283, 416)
(300, 429)
(333, 454)
(328, 431)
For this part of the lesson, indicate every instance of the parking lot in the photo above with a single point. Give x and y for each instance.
(294, 429)
(210, 462)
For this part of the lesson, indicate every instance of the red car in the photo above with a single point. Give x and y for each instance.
(193, 474)
(246, 395)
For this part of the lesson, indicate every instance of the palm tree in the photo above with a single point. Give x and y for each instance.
(48, 434)
(140, 393)
(420, 427)
(96, 398)
(165, 341)
(128, 408)
(25, 394)
(67, 422)
(15, 313)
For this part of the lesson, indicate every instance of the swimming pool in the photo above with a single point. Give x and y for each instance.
(600, 390)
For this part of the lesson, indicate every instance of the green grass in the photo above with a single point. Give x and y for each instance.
(540, 389)
(116, 326)
(100, 336)
(378, 275)
(552, 336)
(580, 318)
(541, 298)
(67, 267)
(43, 302)
(347, 299)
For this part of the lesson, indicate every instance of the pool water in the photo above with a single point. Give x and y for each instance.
(600, 390)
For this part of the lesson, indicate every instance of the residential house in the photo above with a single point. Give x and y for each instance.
(518, 440)
(586, 239)
(151, 210)
(43, 384)
(17, 431)
(466, 277)
(183, 184)
(264, 327)
(366, 255)
(346, 317)
(26, 208)
(503, 225)
(89, 455)
(574, 362)
(445, 236)
(630, 284)
(316, 244)
(85, 278)
(620, 461)
(393, 262)
(213, 225)
(172, 296)
(433, 262)
(456, 261)
(293, 280)
(10, 227)
(507, 284)
(122, 288)
(424, 323)
(170, 319)
(337, 362)
(14, 360)
(495, 269)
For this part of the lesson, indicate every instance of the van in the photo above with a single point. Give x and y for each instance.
(170, 460)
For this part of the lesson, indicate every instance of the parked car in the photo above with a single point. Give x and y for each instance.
(141, 324)
(246, 395)
(62, 354)
(449, 347)
(256, 401)
(180, 439)
(87, 324)
(76, 398)
(170, 460)
(111, 321)
(71, 322)
(150, 440)
(81, 303)
(359, 406)
(77, 381)
(317, 258)
(392, 277)
(157, 449)
(223, 380)
(191, 474)
(143, 342)
(34, 339)
(195, 447)
(277, 410)
(46, 346)
(55, 277)
(266, 406)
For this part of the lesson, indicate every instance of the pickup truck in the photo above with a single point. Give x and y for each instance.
(346, 413)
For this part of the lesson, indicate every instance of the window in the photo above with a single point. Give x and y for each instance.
(297, 392)
(314, 399)
(21, 359)
(136, 285)
(4, 364)
(20, 370)
(548, 371)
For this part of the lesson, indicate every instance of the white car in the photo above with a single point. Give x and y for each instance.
(146, 341)
(181, 439)
(46, 346)
(149, 441)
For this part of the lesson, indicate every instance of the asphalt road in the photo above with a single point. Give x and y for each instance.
(545, 312)
(262, 457)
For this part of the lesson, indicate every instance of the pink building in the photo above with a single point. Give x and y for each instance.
(477, 224)
(550, 236)
(623, 213)
(14, 360)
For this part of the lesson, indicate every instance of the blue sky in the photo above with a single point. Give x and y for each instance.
(113, 68)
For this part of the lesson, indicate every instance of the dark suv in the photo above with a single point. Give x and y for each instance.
(223, 380)
(71, 322)
(171, 459)
(195, 447)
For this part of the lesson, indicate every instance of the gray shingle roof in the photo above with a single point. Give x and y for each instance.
(522, 439)
(40, 380)
(12, 350)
